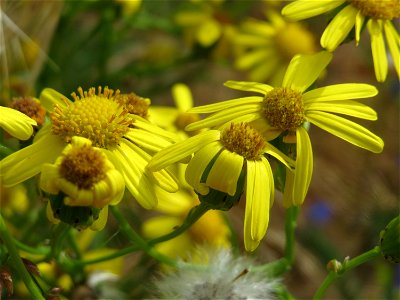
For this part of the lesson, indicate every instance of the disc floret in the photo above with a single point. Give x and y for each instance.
(283, 108)
(382, 9)
(97, 117)
(244, 140)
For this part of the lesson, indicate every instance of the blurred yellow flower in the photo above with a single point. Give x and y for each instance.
(31, 107)
(13, 200)
(230, 151)
(211, 229)
(128, 140)
(175, 119)
(204, 24)
(379, 16)
(129, 7)
(265, 48)
(286, 109)
(16, 123)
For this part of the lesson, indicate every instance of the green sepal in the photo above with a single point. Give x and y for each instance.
(390, 241)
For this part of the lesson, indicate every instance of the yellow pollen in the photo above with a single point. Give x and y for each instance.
(244, 140)
(29, 107)
(83, 166)
(283, 108)
(378, 9)
(97, 117)
(293, 39)
(134, 104)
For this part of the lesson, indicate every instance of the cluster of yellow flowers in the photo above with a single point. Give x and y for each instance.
(91, 148)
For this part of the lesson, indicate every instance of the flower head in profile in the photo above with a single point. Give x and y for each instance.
(83, 178)
(222, 158)
(265, 48)
(219, 275)
(284, 110)
(31, 107)
(128, 140)
(379, 16)
(16, 123)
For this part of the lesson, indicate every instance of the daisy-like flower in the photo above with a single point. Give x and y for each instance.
(204, 24)
(228, 151)
(128, 140)
(286, 109)
(83, 178)
(378, 15)
(176, 118)
(16, 123)
(210, 229)
(265, 48)
(220, 275)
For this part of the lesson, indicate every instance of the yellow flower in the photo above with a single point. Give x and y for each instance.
(266, 48)
(126, 139)
(286, 109)
(129, 7)
(203, 24)
(83, 179)
(13, 200)
(16, 123)
(230, 151)
(378, 14)
(210, 229)
(175, 119)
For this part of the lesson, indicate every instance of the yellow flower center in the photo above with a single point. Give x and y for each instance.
(293, 39)
(135, 104)
(283, 108)
(83, 166)
(184, 119)
(244, 140)
(378, 9)
(29, 107)
(97, 117)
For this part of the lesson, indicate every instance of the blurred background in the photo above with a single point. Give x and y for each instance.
(147, 46)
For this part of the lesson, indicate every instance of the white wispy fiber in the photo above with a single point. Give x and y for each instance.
(219, 275)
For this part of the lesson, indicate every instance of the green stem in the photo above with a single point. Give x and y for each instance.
(42, 250)
(5, 151)
(58, 237)
(111, 256)
(137, 239)
(282, 265)
(195, 214)
(347, 265)
(17, 261)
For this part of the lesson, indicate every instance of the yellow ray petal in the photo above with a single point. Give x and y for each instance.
(146, 125)
(136, 180)
(282, 157)
(225, 172)
(182, 96)
(260, 28)
(393, 40)
(222, 117)
(347, 130)
(345, 91)
(197, 165)
(250, 40)
(339, 28)
(252, 58)
(27, 162)
(304, 166)
(181, 150)
(225, 104)
(16, 123)
(208, 32)
(147, 140)
(49, 98)
(101, 222)
(358, 25)
(288, 197)
(375, 29)
(303, 9)
(259, 188)
(249, 86)
(303, 70)
(346, 107)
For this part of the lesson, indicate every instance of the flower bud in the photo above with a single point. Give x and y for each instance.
(390, 241)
